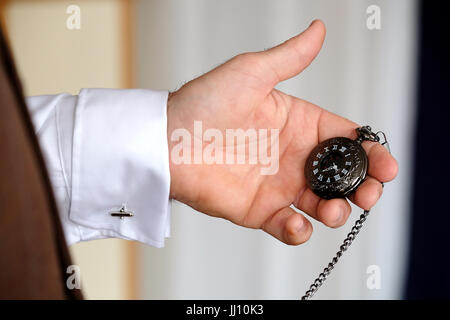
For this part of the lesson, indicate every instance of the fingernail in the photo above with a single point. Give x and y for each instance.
(340, 215)
(300, 226)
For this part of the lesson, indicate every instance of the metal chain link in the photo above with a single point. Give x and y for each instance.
(347, 242)
(364, 134)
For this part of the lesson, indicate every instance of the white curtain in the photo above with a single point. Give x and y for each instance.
(365, 75)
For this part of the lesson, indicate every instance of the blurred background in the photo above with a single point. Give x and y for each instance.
(369, 70)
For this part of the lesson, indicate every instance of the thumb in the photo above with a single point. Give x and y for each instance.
(294, 55)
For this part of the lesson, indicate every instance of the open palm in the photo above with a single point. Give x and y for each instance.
(240, 94)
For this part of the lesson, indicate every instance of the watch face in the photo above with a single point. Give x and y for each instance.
(336, 167)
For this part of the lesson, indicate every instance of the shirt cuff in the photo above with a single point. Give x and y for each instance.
(120, 158)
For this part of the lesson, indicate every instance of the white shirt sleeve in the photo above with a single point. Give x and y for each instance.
(105, 149)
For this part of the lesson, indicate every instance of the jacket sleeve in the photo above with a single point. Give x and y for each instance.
(106, 150)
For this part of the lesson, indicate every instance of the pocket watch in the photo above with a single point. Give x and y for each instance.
(334, 169)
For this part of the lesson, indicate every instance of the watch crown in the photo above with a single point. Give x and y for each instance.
(365, 133)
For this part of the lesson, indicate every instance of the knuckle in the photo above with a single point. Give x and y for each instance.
(247, 58)
(332, 219)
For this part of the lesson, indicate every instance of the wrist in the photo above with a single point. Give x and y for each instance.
(170, 121)
(183, 176)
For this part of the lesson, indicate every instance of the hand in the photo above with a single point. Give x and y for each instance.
(241, 94)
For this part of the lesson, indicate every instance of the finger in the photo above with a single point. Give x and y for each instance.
(331, 125)
(332, 213)
(294, 55)
(367, 193)
(288, 226)
(382, 164)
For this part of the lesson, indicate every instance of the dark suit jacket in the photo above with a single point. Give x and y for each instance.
(33, 254)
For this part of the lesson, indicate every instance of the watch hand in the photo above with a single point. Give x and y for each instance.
(335, 167)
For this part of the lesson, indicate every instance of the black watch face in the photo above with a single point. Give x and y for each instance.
(336, 167)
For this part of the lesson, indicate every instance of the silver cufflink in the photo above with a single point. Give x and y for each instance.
(122, 213)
